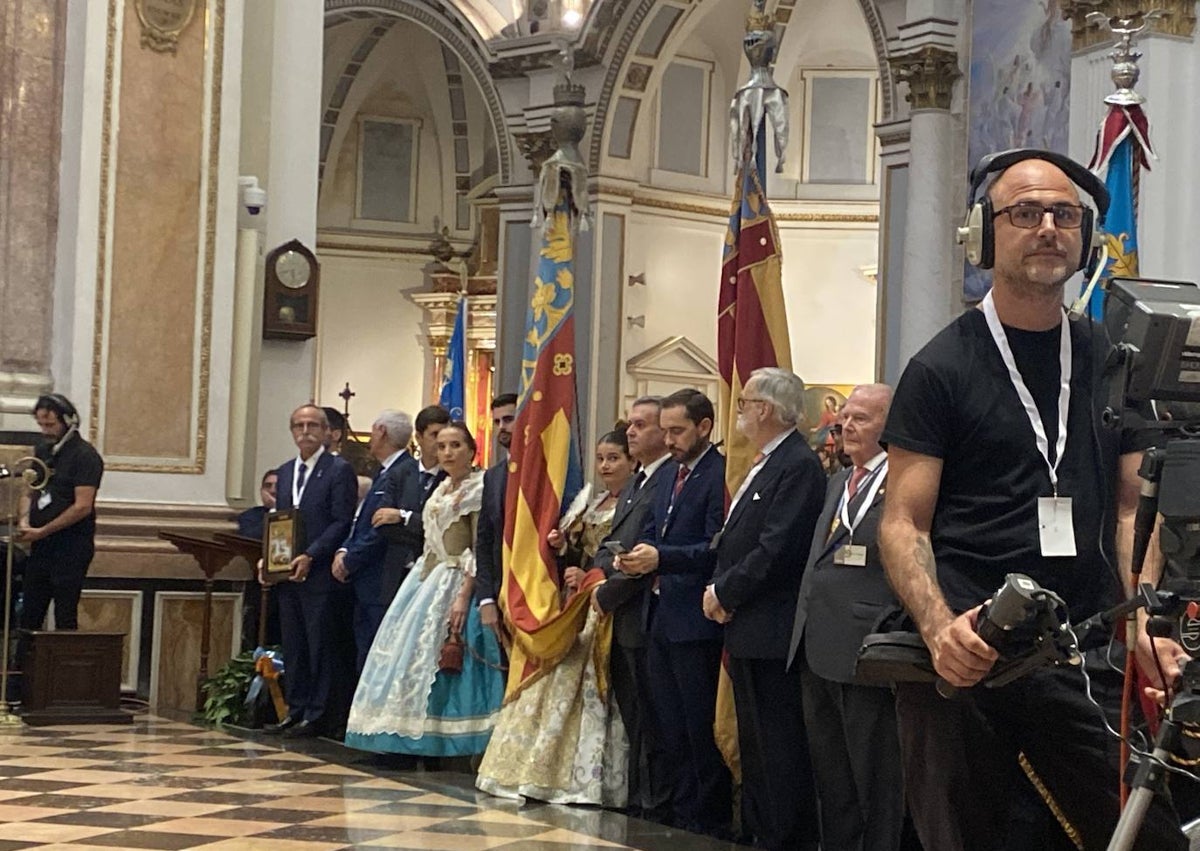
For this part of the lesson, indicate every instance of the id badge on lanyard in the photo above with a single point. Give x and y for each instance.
(851, 554)
(1056, 529)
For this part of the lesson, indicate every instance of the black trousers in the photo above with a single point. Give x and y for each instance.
(856, 759)
(684, 682)
(649, 765)
(961, 764)
(55, 573)
(779, 800)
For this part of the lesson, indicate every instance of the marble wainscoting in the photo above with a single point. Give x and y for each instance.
(142, 586)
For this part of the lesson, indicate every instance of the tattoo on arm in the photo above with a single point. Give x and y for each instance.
(923, 557)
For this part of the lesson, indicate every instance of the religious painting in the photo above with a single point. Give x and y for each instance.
(1019, 87)
(281, 543)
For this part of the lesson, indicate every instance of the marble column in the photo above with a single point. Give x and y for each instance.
(33, 44)
(292, 107)
(1167, 216)
(929, 280)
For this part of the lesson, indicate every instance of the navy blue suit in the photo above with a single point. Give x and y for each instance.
(684, 658)
(404, 489)
(489, 536)
(366, 550)
(326, 510)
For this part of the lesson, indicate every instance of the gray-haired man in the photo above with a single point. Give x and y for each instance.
(360, 560)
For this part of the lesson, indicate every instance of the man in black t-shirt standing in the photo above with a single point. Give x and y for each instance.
(998, 464)
(59, 523)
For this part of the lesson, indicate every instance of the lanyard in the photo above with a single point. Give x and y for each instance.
(1031, 409)
(876, 478)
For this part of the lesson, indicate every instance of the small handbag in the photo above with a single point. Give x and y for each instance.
(450, 660)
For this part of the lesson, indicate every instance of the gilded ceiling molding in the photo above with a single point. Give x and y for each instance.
(930, 73)
(1179, 19)
(443, 20)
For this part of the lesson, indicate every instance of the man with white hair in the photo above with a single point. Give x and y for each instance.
(760, 555)
(360, 560)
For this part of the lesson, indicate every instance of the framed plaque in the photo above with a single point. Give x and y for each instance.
(282, 541)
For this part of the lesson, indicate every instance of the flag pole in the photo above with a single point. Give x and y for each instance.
(1122, 150)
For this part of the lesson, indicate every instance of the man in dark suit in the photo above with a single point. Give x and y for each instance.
(325, 490)
(760, 561)
(359, 562)
(250, 521)
(851, 728)
(489, 536)
(627, 597)
(406, 488)
(684, 656)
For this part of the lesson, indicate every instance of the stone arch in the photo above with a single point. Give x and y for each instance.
(460, 37)
(616, 62)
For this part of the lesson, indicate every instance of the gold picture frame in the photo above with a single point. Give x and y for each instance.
(282, 539)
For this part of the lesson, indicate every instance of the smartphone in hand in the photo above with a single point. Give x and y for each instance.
(615, 547)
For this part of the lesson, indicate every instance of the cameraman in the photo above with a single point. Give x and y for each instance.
(984, 481)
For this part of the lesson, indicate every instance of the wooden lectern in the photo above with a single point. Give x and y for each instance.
(213, 557)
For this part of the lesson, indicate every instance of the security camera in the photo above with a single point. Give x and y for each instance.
(254, 197)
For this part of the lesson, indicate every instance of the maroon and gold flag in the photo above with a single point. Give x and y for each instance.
(544, 469)
(752, 329)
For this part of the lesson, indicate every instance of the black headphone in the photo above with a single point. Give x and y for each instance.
(61, 405)
(978, 235)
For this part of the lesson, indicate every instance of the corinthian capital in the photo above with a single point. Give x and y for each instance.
(930, 72)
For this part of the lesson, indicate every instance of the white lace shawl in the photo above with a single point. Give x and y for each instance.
(444, 507)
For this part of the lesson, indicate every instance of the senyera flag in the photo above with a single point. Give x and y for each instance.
(544, 470)
(752, 330)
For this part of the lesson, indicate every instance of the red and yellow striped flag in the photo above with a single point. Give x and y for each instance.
(752, 332)
(544, 468)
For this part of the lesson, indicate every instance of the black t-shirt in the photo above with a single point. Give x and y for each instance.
(955, 401)
(77, 464)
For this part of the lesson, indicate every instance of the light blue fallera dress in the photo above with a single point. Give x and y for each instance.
(403, 703)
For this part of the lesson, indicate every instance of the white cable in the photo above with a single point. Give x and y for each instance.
(1081, 303)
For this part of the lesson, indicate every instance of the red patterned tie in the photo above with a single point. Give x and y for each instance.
(680, 476)
(855, 478)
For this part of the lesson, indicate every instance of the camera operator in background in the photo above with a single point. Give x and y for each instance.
(985, 479)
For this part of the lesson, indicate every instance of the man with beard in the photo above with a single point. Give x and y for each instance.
(489, 537)
(997, 465)
(684, 657)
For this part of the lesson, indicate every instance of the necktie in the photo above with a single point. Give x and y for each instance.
(426, 478)
(855, 479)
(680, 477)
(301, 476)
(639, 480)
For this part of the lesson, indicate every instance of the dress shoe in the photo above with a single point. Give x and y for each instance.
(302, 730)
(286, 724)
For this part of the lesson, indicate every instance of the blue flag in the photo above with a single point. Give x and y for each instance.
(1121, 226)
(1122, 148)
(454, 375)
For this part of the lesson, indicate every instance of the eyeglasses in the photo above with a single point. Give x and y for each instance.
(307, 427)
(742, 402)
(1029, 214)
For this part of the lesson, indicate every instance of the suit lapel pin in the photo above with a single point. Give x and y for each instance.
(756, 498)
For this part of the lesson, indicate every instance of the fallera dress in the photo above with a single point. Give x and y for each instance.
(403, 703)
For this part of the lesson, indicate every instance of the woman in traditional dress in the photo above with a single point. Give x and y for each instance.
(406, 702)
(561, 739)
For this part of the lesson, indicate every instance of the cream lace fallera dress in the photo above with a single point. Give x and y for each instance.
(560, 741)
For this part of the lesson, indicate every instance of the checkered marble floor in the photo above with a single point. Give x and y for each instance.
(170, 785)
